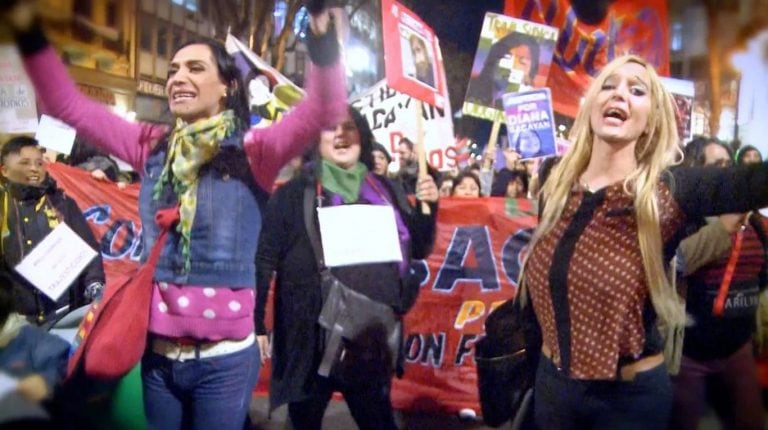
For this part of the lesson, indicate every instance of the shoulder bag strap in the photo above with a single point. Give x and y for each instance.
(310, 195)
(722, 294)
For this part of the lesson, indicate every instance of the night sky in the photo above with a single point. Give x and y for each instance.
(458, 21)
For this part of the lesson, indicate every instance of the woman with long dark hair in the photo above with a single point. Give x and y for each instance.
(202, 357)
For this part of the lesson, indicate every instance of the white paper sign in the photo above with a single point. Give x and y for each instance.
(54, 134)
(8, 384)
(56, 261)
(392, 116)
(359, 234)
(18, 110)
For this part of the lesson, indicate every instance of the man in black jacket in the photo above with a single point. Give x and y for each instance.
(32, 206)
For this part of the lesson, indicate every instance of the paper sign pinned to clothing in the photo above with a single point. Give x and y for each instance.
(56, 261)
(359, 234)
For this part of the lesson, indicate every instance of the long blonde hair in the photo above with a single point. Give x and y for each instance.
(655, 151)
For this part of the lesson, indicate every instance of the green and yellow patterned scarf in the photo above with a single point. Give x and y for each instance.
(191, 146)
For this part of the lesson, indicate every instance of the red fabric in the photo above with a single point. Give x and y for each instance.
(636, 27)
(722, 294)
(113, 335)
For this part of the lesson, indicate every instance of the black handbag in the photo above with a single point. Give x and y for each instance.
(362, 336)
(506, 359)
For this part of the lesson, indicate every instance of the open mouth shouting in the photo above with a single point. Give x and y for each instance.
(615, 115)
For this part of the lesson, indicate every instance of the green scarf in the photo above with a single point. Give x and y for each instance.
(345, 182)
(191, 146)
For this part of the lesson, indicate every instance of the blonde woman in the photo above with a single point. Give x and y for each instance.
(597, 275)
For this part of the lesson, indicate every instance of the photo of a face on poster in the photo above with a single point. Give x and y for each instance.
(530, 123)
(417, 57)
(512, 56)
(413, 63)
(529, 144)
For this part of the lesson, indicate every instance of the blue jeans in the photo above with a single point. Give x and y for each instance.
(210, 393)
(561, 402)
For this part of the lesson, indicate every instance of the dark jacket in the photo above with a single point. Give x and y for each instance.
(408, 176)
(285, 249)
(33, 212)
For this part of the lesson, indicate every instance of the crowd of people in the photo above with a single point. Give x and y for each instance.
(648, 260)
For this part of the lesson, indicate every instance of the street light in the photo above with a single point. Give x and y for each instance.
(358, 59)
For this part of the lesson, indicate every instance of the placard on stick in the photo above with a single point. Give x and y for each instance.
(512, 55)
(413, 62)
(530, 123)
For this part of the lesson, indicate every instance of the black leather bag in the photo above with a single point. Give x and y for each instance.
(362, 336)
(506, 359)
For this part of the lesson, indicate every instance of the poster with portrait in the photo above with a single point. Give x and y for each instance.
(530, 123)
(683, 93)
(413, 62)
(629, 27)
(512, 55)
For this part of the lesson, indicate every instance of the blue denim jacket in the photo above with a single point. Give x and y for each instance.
(225, 231)
(34, 350)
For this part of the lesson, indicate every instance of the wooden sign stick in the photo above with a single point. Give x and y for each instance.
(420, 153)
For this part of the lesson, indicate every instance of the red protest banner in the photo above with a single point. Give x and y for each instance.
(473, 268)
(414, 64)
(112, 213)
(582, 50)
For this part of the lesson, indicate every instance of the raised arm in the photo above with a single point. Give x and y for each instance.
(268, 149)
(93, 121)
(706, 191)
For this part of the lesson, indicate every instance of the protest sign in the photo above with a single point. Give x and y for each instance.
(270, 93)
(414, 65)
(55, 135)
(530, 123)
(512, 55)
(392, 116)
(18, 111)
(630, 27)
(55, 262)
